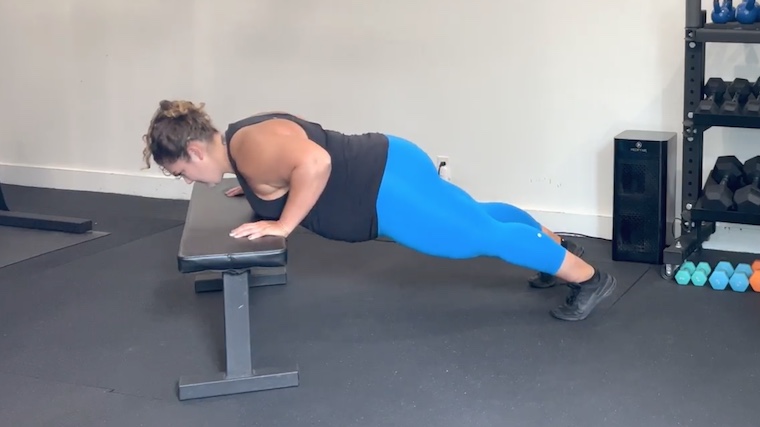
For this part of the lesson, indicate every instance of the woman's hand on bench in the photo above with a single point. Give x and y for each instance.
(234, 191)
(254, 230)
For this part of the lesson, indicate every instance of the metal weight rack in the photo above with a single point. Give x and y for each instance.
(697, 224)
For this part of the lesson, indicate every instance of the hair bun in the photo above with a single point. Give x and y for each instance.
(178, 108)
(166, 105)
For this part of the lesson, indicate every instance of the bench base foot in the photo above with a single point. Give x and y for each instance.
(239, 375)
(221, 385)
(260, 276)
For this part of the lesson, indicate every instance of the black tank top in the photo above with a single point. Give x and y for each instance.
(346, 210)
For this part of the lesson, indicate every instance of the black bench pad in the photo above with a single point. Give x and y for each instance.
(206, 244)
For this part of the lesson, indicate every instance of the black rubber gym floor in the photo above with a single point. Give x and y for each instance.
(98, 334)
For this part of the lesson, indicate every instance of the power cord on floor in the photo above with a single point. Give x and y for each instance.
(584, 236)
(673, 231)
(568, 234)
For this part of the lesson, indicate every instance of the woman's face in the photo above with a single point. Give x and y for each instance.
(200, 167)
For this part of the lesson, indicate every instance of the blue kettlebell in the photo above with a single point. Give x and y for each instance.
(746, 12)
(721, 14)
(729, 4)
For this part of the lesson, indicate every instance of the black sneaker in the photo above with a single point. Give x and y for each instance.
(544, 280)
(584, 297)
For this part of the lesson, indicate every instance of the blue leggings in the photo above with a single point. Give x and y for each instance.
(418, 209)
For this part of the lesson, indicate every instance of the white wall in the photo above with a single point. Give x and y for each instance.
(524, 97)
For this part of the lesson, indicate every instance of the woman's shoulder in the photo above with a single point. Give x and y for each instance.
(277, 113)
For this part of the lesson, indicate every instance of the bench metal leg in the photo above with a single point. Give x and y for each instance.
(258, 276)
(239, 377)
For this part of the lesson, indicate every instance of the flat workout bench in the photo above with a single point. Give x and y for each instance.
(206, 247)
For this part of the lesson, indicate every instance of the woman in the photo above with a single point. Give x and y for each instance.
(356, 188)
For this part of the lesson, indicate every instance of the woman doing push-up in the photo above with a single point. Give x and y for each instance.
(357, 188)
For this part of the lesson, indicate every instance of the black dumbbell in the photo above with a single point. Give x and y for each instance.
(719, 193)
(742, 88)
(747, 198)
(738, 93)
(752, 107)
(756, 87)
(714, 90)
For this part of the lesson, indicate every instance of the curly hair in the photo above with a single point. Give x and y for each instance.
(173, 126)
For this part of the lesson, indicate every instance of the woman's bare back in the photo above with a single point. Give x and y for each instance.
(253, 153)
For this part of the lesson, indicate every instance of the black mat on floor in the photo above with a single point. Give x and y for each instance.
(98, 334)
(86, 204)
(34, 402)
(125, 218)
(20, 244)
(121, 230)
(381, 335)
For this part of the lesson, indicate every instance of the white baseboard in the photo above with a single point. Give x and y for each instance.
(133, 184)
(728, 237)
(572, 223)
(162, 187)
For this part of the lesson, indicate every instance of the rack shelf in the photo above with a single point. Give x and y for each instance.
(698, 224)
(734, 217)
(732, 32)
(723, 120)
